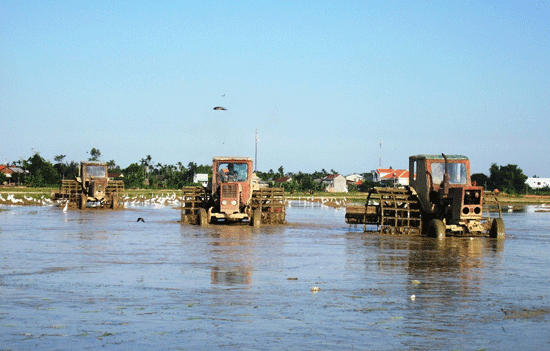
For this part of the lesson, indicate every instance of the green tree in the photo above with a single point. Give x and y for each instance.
(540, 191)
(169, 177)
(480, 179)
(3, 178)
(266, 176)
(42, 172)
(67, 170)
(59, 158)
(189, 173)
(71, 170)
(204, 169)
(133, 176)
(112, 166)
(146, 162)
(509, 179)
(60, 166)
(95, 154)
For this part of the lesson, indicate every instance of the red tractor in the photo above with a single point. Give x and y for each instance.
(234, 195)
(92, 186)
(439, 200)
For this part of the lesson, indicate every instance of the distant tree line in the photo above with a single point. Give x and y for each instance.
(146, 174)
(297, 182)
(509, 179)
(39, 172)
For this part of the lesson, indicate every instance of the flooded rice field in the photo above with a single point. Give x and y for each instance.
(100, 279)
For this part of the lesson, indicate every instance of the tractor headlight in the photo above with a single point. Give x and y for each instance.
(234, 202)
(224, 202)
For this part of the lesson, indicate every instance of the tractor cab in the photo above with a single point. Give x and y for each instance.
(443, 186)
(94, 180)
(231, 184)
(91, 185)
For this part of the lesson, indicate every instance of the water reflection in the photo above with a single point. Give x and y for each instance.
(443, 280)
(233, 252)
(231, 275)
(419, 255)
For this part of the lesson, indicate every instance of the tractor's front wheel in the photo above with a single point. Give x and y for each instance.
(83, 201)
(203, 217)
(257, 217)
(114, 202)
(436, 229)
(497, 229)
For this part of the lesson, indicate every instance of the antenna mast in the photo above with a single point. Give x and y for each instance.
(380, 158)
(256, 153)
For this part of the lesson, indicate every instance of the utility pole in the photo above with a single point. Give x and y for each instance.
(380, 158)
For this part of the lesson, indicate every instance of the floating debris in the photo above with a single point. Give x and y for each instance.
(315, 288)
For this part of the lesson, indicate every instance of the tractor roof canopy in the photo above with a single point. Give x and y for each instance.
(438, 157)
(232, 159)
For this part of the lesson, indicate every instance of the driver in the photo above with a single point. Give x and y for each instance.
(231, 174)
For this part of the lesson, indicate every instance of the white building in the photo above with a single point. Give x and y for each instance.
(201, 178)
(335, 183)
(538, 183)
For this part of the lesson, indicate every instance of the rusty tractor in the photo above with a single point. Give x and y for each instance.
(440, 200)
(233, 196)
(92, 187)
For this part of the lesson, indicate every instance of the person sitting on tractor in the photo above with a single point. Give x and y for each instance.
(230, 175)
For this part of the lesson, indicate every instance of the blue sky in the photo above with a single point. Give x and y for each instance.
(322, 81)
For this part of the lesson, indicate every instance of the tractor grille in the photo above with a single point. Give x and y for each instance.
(97, 187)
(230, 191)
(472, 197)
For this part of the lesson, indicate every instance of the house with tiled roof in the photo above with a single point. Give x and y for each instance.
(285, 179)
(335, 183)
(9, 171)
(389, 176)
(355, 179)
(5, 169)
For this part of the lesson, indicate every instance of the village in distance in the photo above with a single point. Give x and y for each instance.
(39, 172)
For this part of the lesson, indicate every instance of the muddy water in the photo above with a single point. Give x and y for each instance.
(99, 279)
